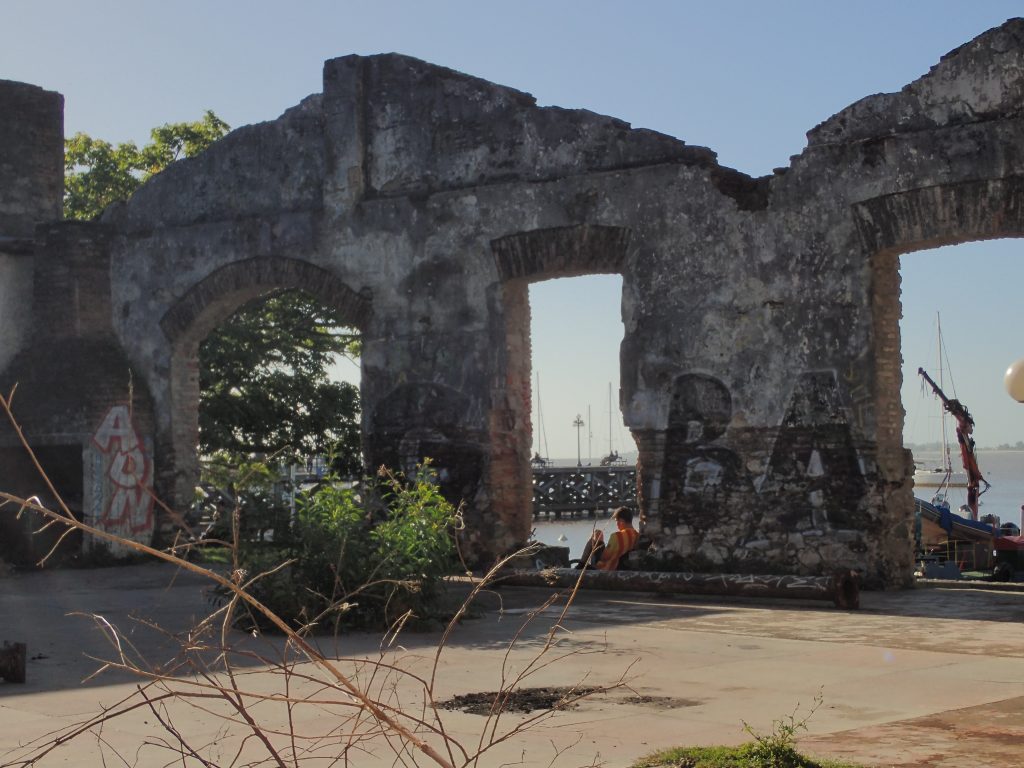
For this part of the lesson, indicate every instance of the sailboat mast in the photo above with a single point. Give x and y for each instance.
(542, 438)
(947, 461)
(609, 418)
(590, 437)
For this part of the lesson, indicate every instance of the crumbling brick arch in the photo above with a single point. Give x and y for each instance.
(946, 214)
(521, 259)
(914, 220)
(224, 290)
(561, 252)
(206, 304)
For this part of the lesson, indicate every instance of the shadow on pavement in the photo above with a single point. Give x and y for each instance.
(155, 606)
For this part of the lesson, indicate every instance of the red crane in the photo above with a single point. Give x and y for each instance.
(964, 432)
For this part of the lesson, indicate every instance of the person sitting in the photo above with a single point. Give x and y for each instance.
(606, 557)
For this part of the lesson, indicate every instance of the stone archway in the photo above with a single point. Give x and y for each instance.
(198, 312)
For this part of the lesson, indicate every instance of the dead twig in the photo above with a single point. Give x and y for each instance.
(367, 699)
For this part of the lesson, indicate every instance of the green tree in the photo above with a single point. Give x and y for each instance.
(264, 383)
(98, 173)
(264, 387)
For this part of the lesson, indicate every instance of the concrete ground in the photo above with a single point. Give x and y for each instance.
(930, 677)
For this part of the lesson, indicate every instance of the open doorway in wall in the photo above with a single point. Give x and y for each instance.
(279, 406)
(578, 432)
(24, 540)
(961, 323)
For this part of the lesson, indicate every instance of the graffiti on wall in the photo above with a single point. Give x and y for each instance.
(122, 478)
(703, 481)
(813, 469)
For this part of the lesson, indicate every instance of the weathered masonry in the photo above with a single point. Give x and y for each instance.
(761, 358)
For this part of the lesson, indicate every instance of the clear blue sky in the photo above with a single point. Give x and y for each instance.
(747, 79)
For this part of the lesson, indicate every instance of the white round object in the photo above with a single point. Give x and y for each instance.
(1014, 380)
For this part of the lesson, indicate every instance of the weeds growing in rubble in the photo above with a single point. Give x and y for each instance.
(777, 748)
(773, 749)
(358, 558)
(294, 704)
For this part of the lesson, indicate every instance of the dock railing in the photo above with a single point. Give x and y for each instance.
(582, 491)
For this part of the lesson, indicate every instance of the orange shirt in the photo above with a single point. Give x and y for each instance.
(621, 542)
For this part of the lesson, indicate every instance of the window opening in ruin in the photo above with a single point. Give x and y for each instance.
(576, 331)
(22, 542)
(971, 292)
(279, 406)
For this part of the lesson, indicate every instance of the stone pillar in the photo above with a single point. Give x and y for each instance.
(32, 161)
(85, 413)
(650, 464)
(31, 193)
(510, 479)
(179, 470)
(895, 463)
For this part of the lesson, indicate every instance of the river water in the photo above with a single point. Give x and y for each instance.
(1003, 469)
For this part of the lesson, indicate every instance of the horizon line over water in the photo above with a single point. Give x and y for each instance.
(1004, 469)
(592, 462)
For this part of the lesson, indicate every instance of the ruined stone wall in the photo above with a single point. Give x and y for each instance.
(15, 314)
(32, 160)
(83, 406)
(771, 419)
(760, 364)
(31, 193)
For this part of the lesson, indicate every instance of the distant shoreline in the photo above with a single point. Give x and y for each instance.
(937, 448)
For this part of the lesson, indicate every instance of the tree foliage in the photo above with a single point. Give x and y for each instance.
(264, 383)
(98, 173)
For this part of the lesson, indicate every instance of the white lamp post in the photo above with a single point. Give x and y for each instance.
(1014, 381)
(578, 424)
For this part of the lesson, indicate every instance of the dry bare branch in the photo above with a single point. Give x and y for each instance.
(366, 700)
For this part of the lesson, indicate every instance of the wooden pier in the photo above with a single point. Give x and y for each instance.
(582, 491)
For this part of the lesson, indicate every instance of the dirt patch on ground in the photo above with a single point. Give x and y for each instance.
(662, 702)
(523, 700)
(527, 700)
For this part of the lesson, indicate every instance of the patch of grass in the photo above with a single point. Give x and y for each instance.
(743, 756)
(775, 749)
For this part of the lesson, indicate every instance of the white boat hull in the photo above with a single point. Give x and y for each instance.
(939, 478)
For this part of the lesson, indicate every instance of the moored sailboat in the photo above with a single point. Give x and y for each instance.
(612, 459)
(941, 479)
(539, 461)
(965, 439)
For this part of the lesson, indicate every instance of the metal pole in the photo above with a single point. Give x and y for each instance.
(609, 418)
(590, 438)
(578, 424)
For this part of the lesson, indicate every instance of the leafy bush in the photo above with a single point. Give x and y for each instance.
(365, 557)
(251, 487)
(413, 540)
